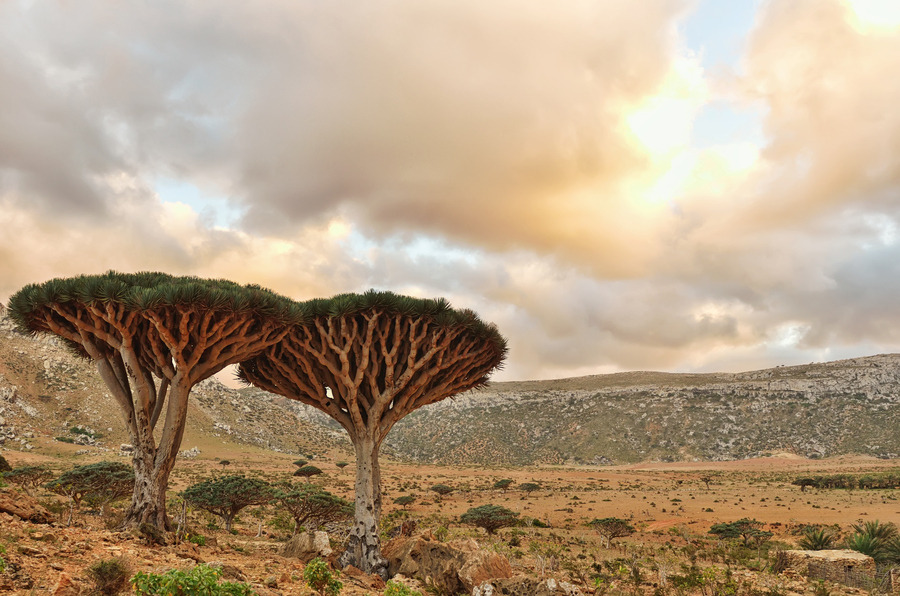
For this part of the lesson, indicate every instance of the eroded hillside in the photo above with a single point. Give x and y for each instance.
(816, 410)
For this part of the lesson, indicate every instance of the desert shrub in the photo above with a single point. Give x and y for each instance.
(490, 517)
(320, 578)
(198, 539)
(202, 579)
(110, 576)
(397, 589)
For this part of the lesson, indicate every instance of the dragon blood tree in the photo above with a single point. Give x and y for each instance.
(153, 337)
(368, 360)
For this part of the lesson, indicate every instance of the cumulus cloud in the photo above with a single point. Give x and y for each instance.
(529, 160)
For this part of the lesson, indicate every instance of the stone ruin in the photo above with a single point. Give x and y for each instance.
(847, 567)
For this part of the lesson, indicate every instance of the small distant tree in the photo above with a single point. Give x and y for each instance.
(228, 495)
(97, 484)
(307, 472)
(529, 487)
(503, 484)
(748, 530)
(300, 462)
(4, 465)
(312, 505)
(224, 463)
(341, 465)
(442, 490)
(611, 528)
(28, 477)
(804, 482)
(405, 501)
(490, 517)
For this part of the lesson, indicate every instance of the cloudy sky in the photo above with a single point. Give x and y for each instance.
(655, 184)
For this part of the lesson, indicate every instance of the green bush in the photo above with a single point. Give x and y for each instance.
(397, 589)
(320, 578)
(110, 576)
(202, 579)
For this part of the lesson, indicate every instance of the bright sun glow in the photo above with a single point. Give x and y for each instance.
(876, 13)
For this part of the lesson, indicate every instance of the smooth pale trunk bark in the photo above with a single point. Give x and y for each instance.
(153, 464)
(363, 547)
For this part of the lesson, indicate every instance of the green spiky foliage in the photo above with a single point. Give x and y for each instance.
(367, 360)
(228, 495)
(96, 484)
(312, 506)
(875, 538)
(153, 336)
(815, 538)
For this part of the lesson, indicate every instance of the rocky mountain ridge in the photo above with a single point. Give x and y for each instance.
(814, 410)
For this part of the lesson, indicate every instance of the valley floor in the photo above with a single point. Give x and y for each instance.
(672, 506)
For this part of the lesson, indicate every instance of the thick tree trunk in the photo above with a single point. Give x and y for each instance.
(148, 501)
(363, 547)
(153, 464)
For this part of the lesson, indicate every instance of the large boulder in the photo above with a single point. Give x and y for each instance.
(452, 567)
(23, 506)
(307, 546)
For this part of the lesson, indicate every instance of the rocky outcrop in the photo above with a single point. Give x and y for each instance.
(24, 507)
(453, 567)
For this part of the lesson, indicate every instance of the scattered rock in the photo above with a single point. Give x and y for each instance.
(307, 546)
(362, 579)
(526, 586)
(66, 586)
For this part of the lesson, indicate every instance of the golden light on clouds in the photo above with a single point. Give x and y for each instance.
(610, 191)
